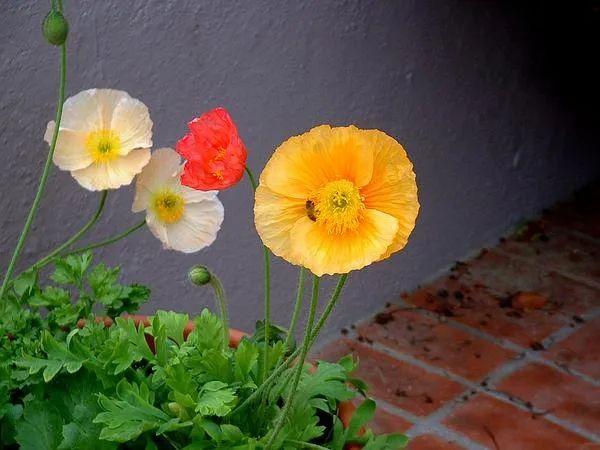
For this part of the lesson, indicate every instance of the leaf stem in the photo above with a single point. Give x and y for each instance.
(45, 173)
(297, 308)
(217, 286)
(301, 444)
(267, 307)
(110, 240)
(299, 364)
(320, 324)
(45, 260)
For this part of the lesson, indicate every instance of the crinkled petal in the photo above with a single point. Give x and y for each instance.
(70, 152)
(162, 170)
(91, 109)
(323, 253)
(130, 120)
(113, 174)
(393, 190)
(304, 163)
(194, 195)
(197, 228)
(274, 217)
(157, 228)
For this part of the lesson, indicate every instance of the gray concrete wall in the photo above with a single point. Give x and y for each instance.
(474, 90)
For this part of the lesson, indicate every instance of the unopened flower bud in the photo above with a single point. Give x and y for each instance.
(175, 408)
(199, 275)
(55, 27)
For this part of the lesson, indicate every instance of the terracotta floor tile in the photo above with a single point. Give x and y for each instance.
(580, 213)
(473, 305)
(580, 351)
(435, 343)
(399, 383)
(563, 395)
(385, 422)
(558, 250)
(585, 220)
(505, 276)
(431, 442)
(498, 425)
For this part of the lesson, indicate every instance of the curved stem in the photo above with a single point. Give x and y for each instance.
(297, 308)
(45, 173)
(267, 307)
(108, 241)
(301, 444)
(329, 308)
(217, 286)
(45, 260)
(320, 324)
(48, 258)
(299, 364)
(251, 178)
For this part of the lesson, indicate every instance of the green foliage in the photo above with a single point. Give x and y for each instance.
(130, 387)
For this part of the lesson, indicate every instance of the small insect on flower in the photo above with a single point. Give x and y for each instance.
(183, 219)
(104, 138)
(215, 153)
(336, 199)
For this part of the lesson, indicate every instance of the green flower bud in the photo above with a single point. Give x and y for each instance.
(175, 408)
(199, 275)
(55, 27)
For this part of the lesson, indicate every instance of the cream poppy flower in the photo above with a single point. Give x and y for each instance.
(183, 218)
(104, 138)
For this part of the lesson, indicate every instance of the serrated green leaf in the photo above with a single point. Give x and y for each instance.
(174, 324)
(216, 399)
(130, 414)
(40, 428)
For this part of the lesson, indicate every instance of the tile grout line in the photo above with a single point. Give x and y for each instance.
(522, 358)
(576, 233)
(558, 336)
(433, 423)
(420, 426)
(578, 278)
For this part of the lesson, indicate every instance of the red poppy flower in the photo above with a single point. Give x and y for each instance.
(215, 153)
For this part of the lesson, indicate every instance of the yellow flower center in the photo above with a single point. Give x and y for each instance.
(337, 206)
(103, 145)
(168, 206)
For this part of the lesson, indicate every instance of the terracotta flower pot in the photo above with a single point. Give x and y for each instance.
(345, 411)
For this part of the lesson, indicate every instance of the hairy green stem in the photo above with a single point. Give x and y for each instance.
(301, 444)
(110, 240)
(267, 259)
(45, 173)
(297, 308)
(45, 260)
(320, 324)
(217, 286)
(314, 300)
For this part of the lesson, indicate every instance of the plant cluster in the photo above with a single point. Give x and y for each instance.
(79, 371)
(128, 386)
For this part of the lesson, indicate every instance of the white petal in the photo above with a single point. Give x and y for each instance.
(158, 229)
(92, 109)
(113, 174)
(195, 195)
(81, 112)
(108, 100)
(70, 152)
(131, 121)
(162, 170)
(197, 228)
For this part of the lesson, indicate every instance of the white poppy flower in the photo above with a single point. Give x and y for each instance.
(104, 138)
(183, 218)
